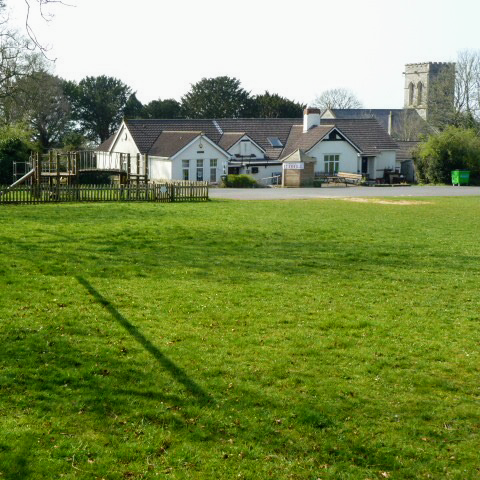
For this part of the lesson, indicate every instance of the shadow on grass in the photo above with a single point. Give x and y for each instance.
(14, 462)
(166, 363)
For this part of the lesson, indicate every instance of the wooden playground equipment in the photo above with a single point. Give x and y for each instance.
(66, 168)
(57, 177)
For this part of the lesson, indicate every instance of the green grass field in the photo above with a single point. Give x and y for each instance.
(291, 339)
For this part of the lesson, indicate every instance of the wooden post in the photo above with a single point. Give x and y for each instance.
(50, 161)
(58, 166)
(69, 168)
(76, 165)
(129, 168)
(39, 169)
(146, 168)
(138, 170)
(120, 167)
(58, 177)
(38, 175)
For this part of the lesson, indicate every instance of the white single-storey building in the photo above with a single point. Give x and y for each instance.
(204, 150)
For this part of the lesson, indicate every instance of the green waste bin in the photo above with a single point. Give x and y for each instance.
(460, 177)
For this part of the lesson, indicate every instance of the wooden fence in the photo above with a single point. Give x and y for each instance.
(165, 192)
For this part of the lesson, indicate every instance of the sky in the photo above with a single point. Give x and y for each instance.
(296, 49)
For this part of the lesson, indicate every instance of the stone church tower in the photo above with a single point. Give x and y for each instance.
(430, 88)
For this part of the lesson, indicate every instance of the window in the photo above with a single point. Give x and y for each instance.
(124, 162)
(185, 169)
(244, 148)
(331, 163)
(213, 170)
(419, 93)
(411, 88)
(275, 142)
(199, 170)
(254, 169)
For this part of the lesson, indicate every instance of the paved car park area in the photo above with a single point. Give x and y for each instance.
(341, 191)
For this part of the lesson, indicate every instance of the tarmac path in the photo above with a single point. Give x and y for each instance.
(341, 192)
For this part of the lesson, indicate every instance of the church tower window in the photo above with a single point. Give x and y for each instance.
(411, 89)
(419, 93)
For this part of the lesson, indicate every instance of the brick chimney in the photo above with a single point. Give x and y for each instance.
(311, 118)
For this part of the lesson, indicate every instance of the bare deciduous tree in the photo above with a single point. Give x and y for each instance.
(15, 55)
(337, 98)
(20, 55)
(410, 126)
(42, 6)
(467, 83)
(454, 97)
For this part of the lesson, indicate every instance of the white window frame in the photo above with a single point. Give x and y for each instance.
(199, 175)
(185, 170)
(213, 170)
(331, 160)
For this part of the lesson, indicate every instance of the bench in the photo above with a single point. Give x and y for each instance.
(350, 177)
(341, 177)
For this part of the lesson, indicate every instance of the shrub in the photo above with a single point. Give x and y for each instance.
(240, 181)
(453, 149)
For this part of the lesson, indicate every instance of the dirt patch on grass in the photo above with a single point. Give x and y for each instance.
(386, 202)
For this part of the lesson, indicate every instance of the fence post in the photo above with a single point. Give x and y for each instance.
(138, 170)
(146, 168)
(39, 169)
(69, 168)
(58, 176)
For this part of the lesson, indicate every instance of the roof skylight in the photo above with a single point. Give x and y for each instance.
(275, 142)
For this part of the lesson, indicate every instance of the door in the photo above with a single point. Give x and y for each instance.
(365, 166)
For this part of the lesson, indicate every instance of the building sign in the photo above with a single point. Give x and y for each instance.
(293, 166)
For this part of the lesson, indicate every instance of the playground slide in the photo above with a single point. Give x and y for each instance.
(21, 180)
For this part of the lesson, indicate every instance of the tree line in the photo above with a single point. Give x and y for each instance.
(60, 112)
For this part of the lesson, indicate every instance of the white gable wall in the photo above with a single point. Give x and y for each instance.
(348, 161)
(191, 153)
(246, 148)
(124, 142)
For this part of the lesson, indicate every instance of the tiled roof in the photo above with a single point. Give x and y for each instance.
(145, 132)
(228, 140)
(105, 146)
(381, 114)
(169, 143)
(365, 133)
(298, 156)
(259, 129)
(304, 141)
(403, 120)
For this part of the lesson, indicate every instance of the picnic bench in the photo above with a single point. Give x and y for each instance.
(342, 177)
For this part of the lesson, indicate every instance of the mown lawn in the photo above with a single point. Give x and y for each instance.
(291, 339)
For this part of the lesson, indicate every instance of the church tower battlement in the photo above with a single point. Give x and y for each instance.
(428, 86)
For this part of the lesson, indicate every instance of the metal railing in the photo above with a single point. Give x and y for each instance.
(273, 181)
